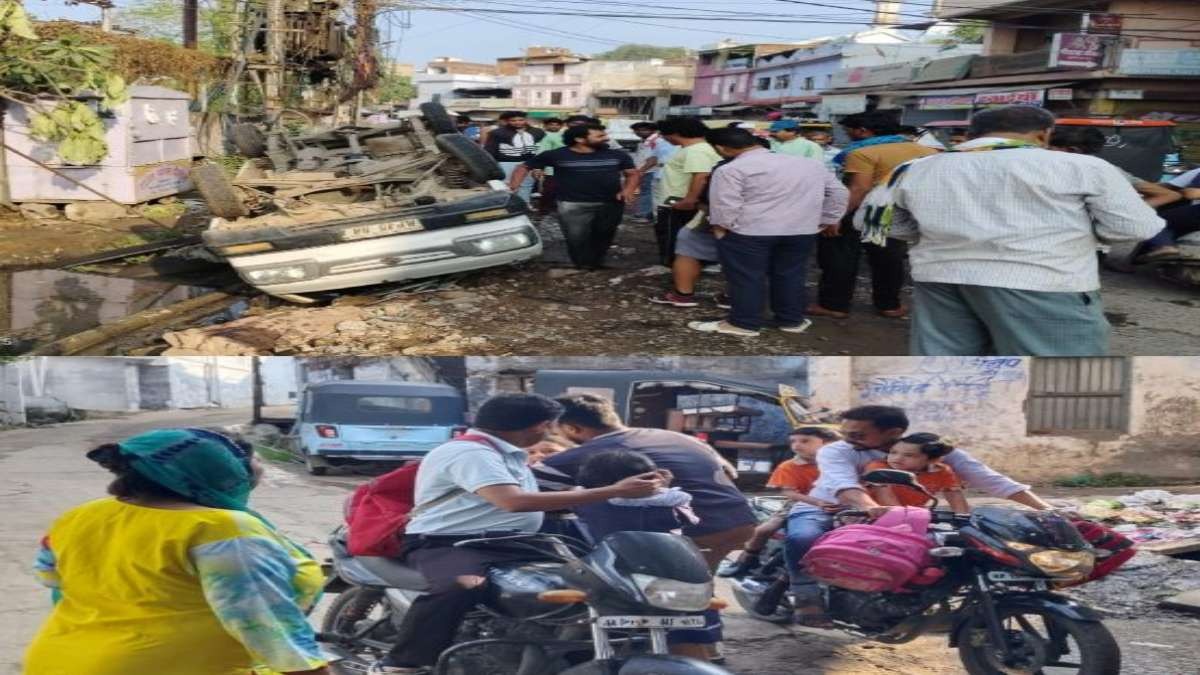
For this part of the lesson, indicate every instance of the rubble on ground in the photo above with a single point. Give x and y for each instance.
(1149, 516)
(1136, 588)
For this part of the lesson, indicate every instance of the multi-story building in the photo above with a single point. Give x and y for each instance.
(640, 88)
(1128, 59)
(463, 86)
(723, 72)
(796, 77)
(552, 80)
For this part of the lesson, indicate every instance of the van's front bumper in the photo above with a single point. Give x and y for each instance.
(394, 258)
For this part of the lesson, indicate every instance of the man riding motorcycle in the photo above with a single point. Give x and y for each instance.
(868, 432)
(469, 488)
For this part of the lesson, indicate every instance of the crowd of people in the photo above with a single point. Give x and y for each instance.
(1000, 246)
(174, 567)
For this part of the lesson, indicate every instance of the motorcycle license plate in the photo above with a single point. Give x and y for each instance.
(626, 622)
(382, 229)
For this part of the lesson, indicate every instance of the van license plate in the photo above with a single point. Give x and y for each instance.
(651, 621)
(382, 229)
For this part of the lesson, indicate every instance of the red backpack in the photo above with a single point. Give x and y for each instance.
(378, 512)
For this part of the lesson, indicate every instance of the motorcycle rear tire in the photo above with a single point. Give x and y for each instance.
(1098, 652)
(352, 606)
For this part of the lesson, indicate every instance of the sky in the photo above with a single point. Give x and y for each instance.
(482, 37)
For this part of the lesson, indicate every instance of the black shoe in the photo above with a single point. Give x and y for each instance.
(744, 565)
(769, 601)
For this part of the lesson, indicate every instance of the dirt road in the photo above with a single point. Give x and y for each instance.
(45, 473)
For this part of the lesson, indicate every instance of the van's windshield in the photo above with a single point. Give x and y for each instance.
(386, 410)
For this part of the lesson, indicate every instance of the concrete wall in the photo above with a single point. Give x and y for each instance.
(200, 382)
(981, 403)
(437, 86)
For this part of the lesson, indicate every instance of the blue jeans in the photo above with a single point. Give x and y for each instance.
(804, 525)
(751, 264)
(645, 200)
(526, 190)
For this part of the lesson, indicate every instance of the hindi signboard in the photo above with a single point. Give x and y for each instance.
(1180, 62)
(1076, 50)
(963, 102)
(1021, 97)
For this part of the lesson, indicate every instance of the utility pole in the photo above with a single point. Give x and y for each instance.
(191, 19)
(276, 47)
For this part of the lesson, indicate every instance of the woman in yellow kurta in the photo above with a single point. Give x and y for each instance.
(174, 575)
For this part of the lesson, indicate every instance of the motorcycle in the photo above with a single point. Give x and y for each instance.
(995, 598)
(574, 611)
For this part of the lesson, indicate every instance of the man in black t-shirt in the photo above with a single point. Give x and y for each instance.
(725, 517)
(592, 184)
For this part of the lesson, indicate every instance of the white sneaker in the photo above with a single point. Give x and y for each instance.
(798, 328)
(722, 327)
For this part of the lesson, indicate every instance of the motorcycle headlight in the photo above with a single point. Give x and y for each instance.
(1069, 564)
(675, 595)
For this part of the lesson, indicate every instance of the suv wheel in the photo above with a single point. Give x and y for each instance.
(315, 465)
(438, 118)
(481, 166)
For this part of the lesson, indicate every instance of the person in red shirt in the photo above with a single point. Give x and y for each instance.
(794, 478)
(921, 454)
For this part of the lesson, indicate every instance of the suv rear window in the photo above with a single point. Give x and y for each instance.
(377, 410)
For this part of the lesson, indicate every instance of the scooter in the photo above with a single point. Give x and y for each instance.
(574, 611)
(995, 596)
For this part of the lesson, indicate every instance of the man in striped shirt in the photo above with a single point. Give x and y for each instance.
(1006, 234)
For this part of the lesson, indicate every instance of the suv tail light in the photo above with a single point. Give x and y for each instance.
(327, 431)
(702, 436)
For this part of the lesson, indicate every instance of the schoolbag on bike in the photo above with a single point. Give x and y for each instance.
(884, 555)
(378, 512)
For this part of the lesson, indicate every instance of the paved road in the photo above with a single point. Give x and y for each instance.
(45, 472)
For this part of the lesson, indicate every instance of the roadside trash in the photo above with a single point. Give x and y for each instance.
(1161, 522)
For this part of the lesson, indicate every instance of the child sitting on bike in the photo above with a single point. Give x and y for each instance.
(920, 454)
(666, 511)
(794, 478)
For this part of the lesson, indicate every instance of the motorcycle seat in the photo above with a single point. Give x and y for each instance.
(393, 573)
(373, 570)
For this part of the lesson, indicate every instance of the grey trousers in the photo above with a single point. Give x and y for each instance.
(965, 320)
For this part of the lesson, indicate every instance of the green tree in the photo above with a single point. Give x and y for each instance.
(639, 52)
(163, 20)
(394, 88)
(969, 32)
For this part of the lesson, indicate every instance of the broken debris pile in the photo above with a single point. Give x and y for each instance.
(1138, 587)
(1156, 519)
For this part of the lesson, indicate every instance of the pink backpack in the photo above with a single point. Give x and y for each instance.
(881, 556)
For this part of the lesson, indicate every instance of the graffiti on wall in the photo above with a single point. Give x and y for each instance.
(940, 389)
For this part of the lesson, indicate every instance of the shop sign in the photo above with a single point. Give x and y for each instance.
(1104, 23)
(1184, 62)
(1061, 94)
(1126, 94)
(843, 104)
(963, 102)
(1023, 97)
(1076, 50)
(873, 76)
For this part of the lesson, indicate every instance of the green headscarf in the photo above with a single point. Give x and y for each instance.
(205, 467)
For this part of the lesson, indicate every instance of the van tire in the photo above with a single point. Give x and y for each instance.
(222, 198)
(481, 166)
(249, 140)
(438, 118)
(315, 467)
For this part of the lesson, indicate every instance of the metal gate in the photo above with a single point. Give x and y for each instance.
(1078, 394)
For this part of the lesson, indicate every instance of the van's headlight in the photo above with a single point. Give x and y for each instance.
(496, 243)
(279, 275)
(675, 595)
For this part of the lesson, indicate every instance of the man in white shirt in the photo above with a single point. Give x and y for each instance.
(1006, 233)
(869, 431)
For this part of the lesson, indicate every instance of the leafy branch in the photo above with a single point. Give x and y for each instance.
(49, 77)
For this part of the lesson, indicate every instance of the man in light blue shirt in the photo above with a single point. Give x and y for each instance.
(471, 487)
(787, 140)
(868, 432)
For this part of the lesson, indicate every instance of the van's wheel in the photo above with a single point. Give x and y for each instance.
(249, 140)
(315, 467)
(438, 118)
(222, 198)
(481, 166)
